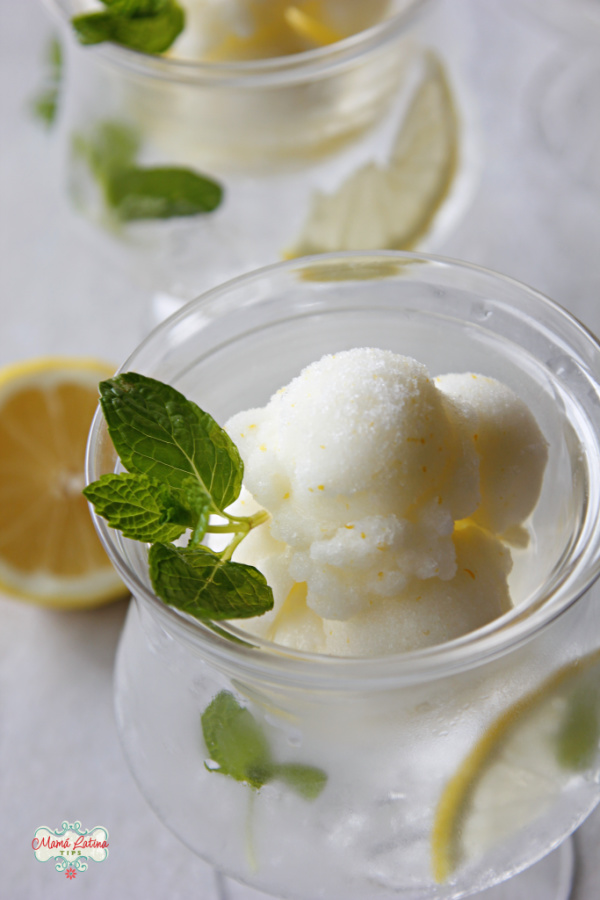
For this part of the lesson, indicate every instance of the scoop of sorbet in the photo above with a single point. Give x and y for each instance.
(511, 448)
(365, 464)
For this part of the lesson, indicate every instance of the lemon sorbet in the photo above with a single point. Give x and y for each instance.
(389, 494)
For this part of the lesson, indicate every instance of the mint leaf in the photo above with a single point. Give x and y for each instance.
(140, 507)
(308, 781)
(133, 192)
(235, 741)
(161, 193)
(157, 432)
(144, 509)
(136, 7)
(111, 147)
(45, 104)
(238, 744)
(93, 28)
(150, 33)
(200, 583)
(148, 26)
(190, 506)
(194, 499)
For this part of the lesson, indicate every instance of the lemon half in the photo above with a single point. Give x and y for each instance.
(49, 551)
(519, 767)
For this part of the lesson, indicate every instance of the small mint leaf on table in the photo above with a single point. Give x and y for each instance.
(200, 583)
(161, 193)
(235, 741)
(157, 432)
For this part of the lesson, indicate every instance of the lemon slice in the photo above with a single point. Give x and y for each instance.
(520, 766)
(310, 26)
(275, 28)
(49, 551)
(392, 207)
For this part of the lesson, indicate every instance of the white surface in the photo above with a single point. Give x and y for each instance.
(534, 217)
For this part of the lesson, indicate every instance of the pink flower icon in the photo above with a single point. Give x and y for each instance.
(71, 873)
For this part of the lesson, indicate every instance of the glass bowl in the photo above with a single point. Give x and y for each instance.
(283, 137)
(430, 788)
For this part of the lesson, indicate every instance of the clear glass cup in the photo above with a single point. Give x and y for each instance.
(390, 733)
(277, 134)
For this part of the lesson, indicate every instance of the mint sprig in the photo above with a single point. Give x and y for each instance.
(149, 26)
(182, 468)
(132, 192)
(238, 745)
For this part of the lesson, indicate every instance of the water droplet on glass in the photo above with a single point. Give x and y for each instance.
(482, 311)
(562, 365)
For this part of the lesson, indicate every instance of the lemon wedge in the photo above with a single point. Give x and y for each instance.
(49, 551)
(519, 767)
(392, 207)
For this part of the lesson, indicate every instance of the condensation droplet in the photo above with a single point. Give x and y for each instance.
(482, 312)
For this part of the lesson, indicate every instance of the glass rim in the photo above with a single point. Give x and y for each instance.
(284, 69)
(253, 655)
